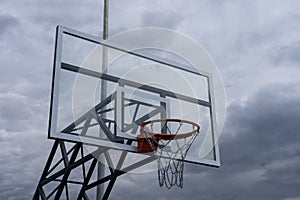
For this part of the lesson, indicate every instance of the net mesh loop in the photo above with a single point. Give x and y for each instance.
(170, 139)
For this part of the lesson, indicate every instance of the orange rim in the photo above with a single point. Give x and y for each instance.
(162, 136)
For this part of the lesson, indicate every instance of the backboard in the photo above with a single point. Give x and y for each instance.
(101, 93)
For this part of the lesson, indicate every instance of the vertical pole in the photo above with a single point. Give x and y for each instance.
(101, 167)
(105, 20)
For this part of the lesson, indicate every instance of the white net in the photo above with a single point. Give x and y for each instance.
(170, 139)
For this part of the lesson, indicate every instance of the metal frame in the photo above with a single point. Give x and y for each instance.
(56, 182)
(121, 91)
(58, 65)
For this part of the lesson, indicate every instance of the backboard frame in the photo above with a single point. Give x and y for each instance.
(59, 65)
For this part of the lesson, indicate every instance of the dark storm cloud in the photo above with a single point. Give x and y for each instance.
(263, 137)
(269, 120)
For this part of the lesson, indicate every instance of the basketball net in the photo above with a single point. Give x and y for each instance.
(170, 147)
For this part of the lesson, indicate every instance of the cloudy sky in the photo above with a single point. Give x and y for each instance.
(256, 46)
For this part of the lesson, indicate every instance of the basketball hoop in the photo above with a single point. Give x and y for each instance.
(170, 139)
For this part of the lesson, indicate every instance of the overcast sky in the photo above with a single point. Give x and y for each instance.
(256, 45)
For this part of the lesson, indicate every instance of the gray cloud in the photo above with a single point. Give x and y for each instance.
(166, 19)
(22, 155)
(286, 56)
(7, 22)
(260, 146)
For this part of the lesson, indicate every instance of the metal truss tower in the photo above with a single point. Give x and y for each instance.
(71, 174)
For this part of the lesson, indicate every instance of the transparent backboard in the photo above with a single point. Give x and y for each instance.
(101, 93)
